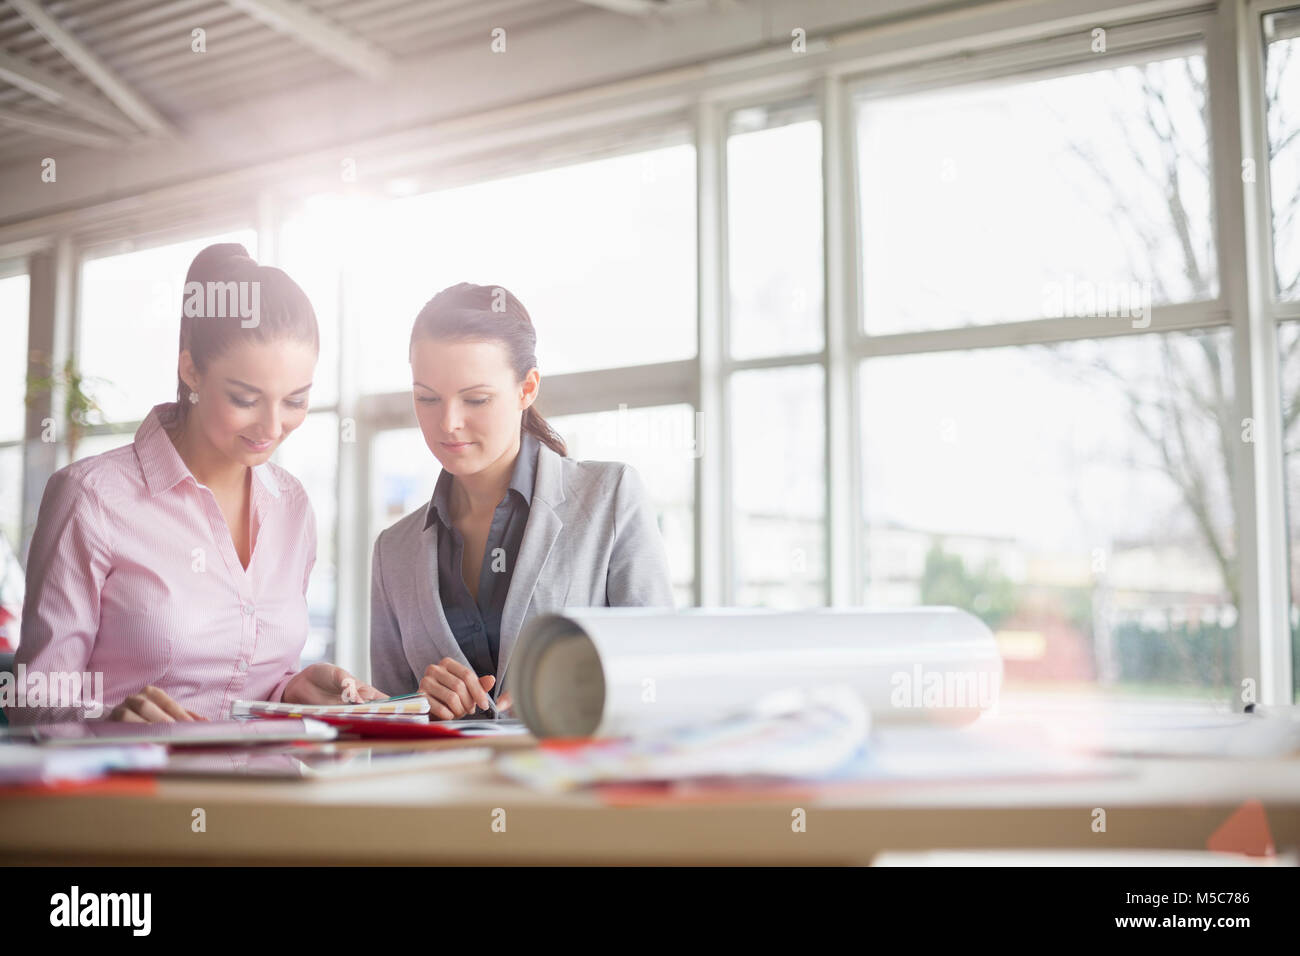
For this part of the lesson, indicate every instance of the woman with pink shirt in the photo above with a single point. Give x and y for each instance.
(177, 566)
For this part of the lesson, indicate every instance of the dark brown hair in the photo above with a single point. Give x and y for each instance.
(283, 309)
(489, 313)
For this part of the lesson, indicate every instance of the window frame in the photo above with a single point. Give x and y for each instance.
(12, 268)
(1267, 314)
(948, 47)
(1263, 666)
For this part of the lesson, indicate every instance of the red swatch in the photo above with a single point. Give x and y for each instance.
(1246, 831)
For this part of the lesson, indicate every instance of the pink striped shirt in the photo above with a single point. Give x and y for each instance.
(132, 573)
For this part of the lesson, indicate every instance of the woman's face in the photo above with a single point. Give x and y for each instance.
(251, 397)
(467, 401)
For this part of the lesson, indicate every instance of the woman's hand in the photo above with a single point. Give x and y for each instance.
(151, 706)
(454, 690)
(326, 684)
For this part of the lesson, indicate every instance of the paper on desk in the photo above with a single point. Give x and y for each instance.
(790, 734)
(393, 705)
(507, 727)
(319, 763)
(945, 754)
(29, 763)
(1180, 734)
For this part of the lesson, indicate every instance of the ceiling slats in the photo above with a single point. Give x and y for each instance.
(136, 54)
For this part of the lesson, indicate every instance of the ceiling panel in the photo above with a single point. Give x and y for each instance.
(147, 45)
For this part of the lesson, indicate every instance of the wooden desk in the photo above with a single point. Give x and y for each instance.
(445, 816)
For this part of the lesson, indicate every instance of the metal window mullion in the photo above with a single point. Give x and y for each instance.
(1258, 325)
(51, 321)
(1170, 318)
(1064, 54)
(841, 520)
(713, 542)
(775, 360)
(352, 567)
(1247, 251)
(606, 389)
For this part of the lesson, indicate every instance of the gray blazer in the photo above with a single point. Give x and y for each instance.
(591, 540)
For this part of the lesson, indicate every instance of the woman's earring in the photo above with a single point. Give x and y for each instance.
(194, 398)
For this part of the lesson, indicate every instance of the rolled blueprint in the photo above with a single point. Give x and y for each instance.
(610, 672)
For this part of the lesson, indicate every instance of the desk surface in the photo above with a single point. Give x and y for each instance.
(447, 816)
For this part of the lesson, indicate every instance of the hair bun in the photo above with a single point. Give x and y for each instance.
(212, 259)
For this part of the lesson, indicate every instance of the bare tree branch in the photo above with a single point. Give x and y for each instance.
(1196, 400)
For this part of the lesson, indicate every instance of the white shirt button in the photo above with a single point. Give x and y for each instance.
(242, 665)
(247, 609)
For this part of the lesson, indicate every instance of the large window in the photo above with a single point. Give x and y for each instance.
(660, 444)
(775, 282)
(1082, 195)
(13, 408)
(403, 474)
(778, 446)
(1282, 106)
(1001, 375)
(774, 237)
(601, 253)
(1282, 102)
(309, 250)
(1288, 336)
(310, 454)
(1077, 496)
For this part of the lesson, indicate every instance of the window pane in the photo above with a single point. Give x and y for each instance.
(403, 473)
(1082, 195)
(131, 323)
(11, 502)
(13, 357)
(659, 443)
(1076, 497)
(311, 454)
(1282, 92)
(602, 254)
(1288, 336)
(778, 468)
(774, 234)
(309, 251)
(11, 556)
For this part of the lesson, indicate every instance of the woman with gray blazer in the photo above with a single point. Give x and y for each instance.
(515, 527)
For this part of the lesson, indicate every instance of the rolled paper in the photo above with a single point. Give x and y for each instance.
(609, 672)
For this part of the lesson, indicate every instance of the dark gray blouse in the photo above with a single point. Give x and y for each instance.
(477, 624)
